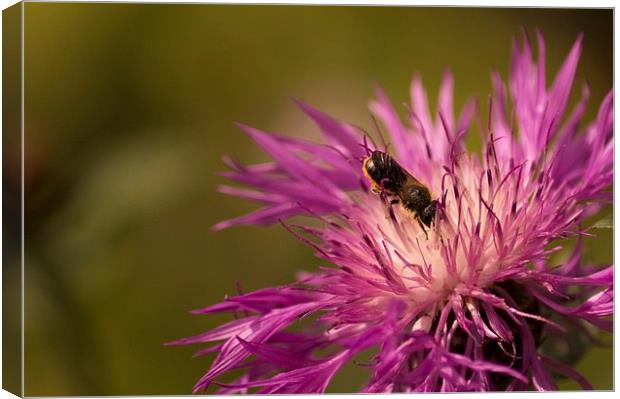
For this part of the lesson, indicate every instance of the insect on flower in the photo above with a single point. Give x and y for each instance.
(388, 177)
(480, 305)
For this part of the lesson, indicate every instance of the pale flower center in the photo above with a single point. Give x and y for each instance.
(430, 264)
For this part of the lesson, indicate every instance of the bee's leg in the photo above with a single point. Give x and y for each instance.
(383, 182)
(428, 213)
(383, 192)
(422, 226)
(394, 201)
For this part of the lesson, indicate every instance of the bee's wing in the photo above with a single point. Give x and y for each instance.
(412, 181)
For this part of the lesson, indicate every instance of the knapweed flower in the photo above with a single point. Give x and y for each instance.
(461, 305)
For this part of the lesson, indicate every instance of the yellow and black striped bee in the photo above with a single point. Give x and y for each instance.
(388, 177)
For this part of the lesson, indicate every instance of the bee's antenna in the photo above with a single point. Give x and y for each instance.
(367, 137)
(386, 145)
(368, 151)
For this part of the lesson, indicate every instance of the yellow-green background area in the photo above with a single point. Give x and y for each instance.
(128, 110)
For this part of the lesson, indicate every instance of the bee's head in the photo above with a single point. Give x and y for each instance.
(379, 167)
(376, 166)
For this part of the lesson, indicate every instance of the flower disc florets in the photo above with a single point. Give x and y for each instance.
(461, 304)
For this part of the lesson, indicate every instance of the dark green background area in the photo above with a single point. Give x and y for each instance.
(128, 110)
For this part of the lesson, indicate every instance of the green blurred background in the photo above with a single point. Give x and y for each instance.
(128, 110)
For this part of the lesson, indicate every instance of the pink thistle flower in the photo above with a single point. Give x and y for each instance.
(460, 305)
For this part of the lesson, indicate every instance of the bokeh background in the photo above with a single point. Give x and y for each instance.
(128, 110)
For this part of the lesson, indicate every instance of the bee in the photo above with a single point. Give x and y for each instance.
(388, 177)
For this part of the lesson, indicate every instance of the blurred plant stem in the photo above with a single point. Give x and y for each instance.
(81, 345)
